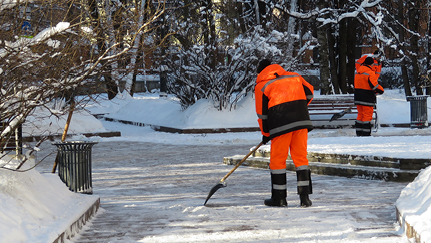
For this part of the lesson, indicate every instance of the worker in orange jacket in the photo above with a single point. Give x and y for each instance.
(366, 88)
(377, 68)
(282, 100)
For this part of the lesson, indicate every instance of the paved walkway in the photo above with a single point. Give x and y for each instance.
(155, 193)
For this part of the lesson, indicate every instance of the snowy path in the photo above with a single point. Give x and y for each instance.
(155, 193)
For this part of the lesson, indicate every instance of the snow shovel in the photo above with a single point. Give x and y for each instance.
(222, 182)
(342, 113)
(63, 137)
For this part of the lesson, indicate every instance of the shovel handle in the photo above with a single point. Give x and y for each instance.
(243, 159)
(63, 137)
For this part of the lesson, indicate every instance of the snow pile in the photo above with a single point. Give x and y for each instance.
(204, 115)
(152, 110)
(48, 122)
(414, 204)
(34, 206)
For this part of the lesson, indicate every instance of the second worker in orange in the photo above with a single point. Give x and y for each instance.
(366, 89)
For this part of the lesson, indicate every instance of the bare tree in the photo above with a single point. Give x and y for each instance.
(62, 52)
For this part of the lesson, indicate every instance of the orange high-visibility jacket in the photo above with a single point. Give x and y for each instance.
(366, 86)
(377, 68)
(281, 101)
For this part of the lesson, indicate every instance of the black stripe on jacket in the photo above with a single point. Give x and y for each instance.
(287, 117)
(365, 97)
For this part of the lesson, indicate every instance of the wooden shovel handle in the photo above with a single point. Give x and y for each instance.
(243, 159)
(63, 137)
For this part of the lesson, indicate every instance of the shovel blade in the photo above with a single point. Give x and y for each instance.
(335, 116)
(341, 114)
(214, 189)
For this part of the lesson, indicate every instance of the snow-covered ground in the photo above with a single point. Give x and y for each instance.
(27, 220)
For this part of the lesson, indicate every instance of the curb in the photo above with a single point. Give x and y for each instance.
(206, 130)
(58, 136)
(349, 171)
(370, 160)
(183, 131)
(76, 226)
(408, 229)
(346, 165)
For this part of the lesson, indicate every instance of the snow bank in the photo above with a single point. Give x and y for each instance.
(203, 114)
(414, 204)
(43, 122)
(35, 207)
(152, 110)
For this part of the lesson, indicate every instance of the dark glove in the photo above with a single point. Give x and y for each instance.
(379, 91)
(265, 139)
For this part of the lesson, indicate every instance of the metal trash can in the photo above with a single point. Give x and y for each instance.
(418, 111)
(74, 165)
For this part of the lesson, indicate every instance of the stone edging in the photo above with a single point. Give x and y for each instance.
(408, 229)
(76, 226)
(58, 136)
(185, 130)
(203, 130)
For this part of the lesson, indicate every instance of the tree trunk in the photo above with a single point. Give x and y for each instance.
(111, 86)
(137, 48)
(414, 48)
(323, 60)
(213, 35)
(322, 38)
(135, 55)
(209, 30)
(333, 61)
(240, 14)
(350, 52)
(140, 55)
(342, 56)
(404, 71)
(428, 57)
(256, 11)
(291, 29)
(184, 40)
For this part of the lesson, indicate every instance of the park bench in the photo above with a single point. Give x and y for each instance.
(322, 108)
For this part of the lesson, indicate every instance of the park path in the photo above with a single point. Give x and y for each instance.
(154, 192)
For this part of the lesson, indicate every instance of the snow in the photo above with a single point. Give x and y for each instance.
(415, 203)
(41, 123)
(36, 208)
(36, 205)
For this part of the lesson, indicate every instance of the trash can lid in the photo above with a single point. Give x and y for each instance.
(417, 97)
(74, 142)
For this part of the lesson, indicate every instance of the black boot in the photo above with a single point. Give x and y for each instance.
(359, 128)
(275, 202)
(279, 192)
(305, 188)
(367, 129)
(305, 201)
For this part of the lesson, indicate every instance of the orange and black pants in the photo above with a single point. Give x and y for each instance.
(363, 120)
(296, 143)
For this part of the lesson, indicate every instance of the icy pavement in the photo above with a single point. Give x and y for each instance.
(152, 192)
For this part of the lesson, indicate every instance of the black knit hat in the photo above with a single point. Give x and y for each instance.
(377, 53)
(368, 61)
(262, 65)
